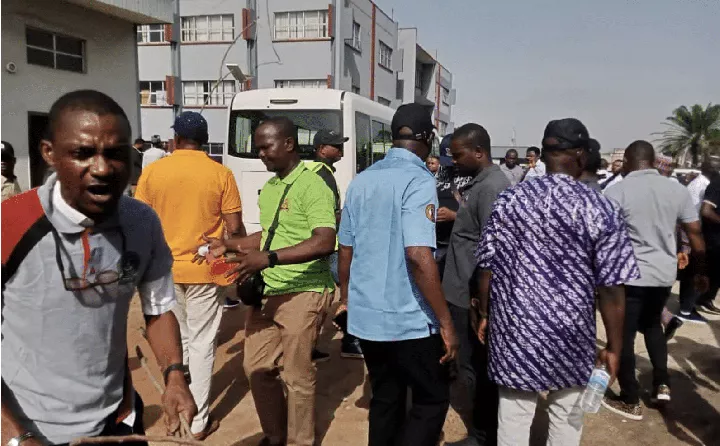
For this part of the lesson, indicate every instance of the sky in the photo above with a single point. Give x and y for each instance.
(620, 66)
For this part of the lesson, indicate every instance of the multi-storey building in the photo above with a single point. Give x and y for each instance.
(348, 45)
(422, 79)
(51, 47)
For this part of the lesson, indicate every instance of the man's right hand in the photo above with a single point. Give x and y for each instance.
(451, 341)
(683, 260)
(342, 308)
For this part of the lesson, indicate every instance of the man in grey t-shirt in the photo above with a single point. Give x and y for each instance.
(74, 251)
(511, 169)
(652, 206)
(470, 148)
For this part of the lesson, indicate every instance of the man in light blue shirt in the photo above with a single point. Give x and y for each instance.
(390, 282)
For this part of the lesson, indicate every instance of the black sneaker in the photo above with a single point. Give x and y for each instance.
(230, 303)
(709, 307)
(661, 394)
(318, 356)
(693, 317)
(672, 326)
(351, 348)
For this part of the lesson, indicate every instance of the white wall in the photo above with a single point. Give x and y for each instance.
(109, 56)
(407, 41)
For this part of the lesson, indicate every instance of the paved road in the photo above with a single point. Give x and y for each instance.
(692, 418)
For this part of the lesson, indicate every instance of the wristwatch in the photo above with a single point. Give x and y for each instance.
(20, 438)
(272, 259)
(177, 367)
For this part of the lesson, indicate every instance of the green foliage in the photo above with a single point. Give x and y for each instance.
(694, 130)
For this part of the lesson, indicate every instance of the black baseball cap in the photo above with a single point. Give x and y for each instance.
(191, 125)
(416, 118)
(445, 155)
(329, 138)
(7, 150)
(569, 133)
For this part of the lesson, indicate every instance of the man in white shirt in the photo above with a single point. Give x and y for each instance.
(698, 185)
(616, 176)
(536, 168)
(154, 153)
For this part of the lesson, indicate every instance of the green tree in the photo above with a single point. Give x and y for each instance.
(691, 130)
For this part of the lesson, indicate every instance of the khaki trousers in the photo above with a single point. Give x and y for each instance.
(199, 312)
(279, 338)
(516, 412)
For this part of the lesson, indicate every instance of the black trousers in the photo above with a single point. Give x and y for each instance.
(472, 374)
(688, 296)
(643, 311)
(712, 258)
(392, 368)
(487, 399)
(114, 429)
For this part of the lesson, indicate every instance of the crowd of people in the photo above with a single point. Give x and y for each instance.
(459, 280)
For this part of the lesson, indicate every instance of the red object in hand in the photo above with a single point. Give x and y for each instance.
(218, 268)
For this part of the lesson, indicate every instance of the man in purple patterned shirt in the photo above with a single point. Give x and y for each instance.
(549, 244)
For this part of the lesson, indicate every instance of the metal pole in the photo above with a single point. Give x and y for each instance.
(175, 58)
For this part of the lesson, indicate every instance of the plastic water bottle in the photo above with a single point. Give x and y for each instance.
(595, 390)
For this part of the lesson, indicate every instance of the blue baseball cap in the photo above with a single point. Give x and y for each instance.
(445, 155)
(191, 125)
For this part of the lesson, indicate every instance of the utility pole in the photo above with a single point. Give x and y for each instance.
(175, 58)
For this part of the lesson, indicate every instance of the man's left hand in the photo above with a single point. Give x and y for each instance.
(445, 214)
(177, 402)
(247, 264)
(611, 361)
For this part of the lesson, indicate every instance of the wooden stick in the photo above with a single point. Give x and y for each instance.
(133, 438)
(143, 362)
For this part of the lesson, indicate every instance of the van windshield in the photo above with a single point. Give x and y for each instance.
(243, 124)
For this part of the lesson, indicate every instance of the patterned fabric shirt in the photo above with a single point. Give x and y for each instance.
(549, 243)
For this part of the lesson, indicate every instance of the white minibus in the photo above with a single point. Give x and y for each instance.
(365, 122)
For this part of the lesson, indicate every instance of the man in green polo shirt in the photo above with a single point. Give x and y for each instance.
(298, 285)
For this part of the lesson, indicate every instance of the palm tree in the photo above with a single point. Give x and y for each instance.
(691, 131)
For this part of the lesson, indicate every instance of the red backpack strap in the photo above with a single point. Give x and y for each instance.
(24, 224)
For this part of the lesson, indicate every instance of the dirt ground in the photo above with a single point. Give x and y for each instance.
(343, 392)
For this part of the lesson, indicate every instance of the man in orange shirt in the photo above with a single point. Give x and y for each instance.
(194, 195)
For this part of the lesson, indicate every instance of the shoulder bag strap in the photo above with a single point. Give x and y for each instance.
(276, 220)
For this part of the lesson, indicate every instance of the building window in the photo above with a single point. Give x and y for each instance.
(357, 36)
(442, 128)
(383, 101)
(418, 76)
(55, 51)
(152, 93)
(385, 56)
(202, 92)
(297, 25)
(445, 95)
(214, 150)
(302, 83)
(208, 28)
(151, 33)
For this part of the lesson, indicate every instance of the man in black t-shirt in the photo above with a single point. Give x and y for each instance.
(710, 213)
(450, 184)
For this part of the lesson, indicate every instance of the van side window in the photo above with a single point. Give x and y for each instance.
(363, 147)
(382, 140)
